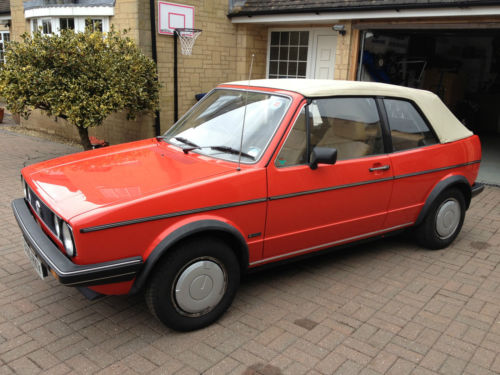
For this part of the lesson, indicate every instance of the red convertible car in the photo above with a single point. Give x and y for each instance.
(257, 172)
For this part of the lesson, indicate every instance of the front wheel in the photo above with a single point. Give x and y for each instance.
(444, 220)
(194, 285)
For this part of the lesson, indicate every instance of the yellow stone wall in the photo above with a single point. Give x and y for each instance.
(343, 55)
(116, 129)
(19, 25)
(221, 53)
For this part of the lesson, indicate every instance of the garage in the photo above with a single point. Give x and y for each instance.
(460, 64)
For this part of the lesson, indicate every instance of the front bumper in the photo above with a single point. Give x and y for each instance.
(67, 272)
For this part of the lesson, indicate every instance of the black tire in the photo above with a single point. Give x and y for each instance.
(443, 222)
(195, 258)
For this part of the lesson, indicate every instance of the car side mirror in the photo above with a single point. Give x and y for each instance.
(323, 155)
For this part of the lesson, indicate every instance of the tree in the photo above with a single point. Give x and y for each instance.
(81, 77)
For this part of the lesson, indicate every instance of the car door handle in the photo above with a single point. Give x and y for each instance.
(381, 168)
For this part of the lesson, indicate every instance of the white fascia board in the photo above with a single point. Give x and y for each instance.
(325, 17)
(69, 12)
(5, 18)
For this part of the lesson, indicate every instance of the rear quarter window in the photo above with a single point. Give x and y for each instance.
(408, 129)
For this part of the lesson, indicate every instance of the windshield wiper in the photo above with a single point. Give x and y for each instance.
(179, 139)
(187, 142)
(231, 150)
(227, 149)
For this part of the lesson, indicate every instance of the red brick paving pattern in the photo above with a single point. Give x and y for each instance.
(387, 307)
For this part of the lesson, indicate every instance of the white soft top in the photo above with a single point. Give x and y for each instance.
(443, 121)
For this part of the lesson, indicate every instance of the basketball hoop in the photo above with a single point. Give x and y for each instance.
(187, 38)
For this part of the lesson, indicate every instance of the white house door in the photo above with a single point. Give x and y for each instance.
(324, 56)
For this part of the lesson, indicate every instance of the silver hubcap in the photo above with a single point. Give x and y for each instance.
(200, 287)
(448, 218)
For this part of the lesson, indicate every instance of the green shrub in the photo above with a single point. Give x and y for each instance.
(81, 77)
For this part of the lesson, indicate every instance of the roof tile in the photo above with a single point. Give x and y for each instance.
(255, 7)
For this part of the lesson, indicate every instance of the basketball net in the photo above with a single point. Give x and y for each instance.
(187, 38)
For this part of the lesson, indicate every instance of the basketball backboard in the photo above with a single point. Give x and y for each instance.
(172, 16)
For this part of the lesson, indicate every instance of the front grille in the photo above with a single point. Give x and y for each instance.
(43, 212)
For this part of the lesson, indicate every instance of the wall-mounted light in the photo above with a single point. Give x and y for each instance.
(7, 24)
(340, 29)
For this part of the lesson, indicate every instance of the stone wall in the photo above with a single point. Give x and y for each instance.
(116, 129)
(221, 53)
(19, 25)
(343, 55)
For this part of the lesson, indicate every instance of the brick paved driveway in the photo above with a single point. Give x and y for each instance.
(388, 307)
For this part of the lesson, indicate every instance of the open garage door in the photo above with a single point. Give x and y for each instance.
(460, 66)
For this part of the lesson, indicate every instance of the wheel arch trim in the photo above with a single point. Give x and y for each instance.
(453, 181)
(184, 232)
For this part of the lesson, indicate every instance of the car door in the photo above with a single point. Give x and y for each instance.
(417, 158)
(333, 204)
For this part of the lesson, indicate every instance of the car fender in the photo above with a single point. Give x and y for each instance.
(200, 225)
(449, 181)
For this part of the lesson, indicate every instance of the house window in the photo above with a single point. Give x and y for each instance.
(46, 26)
(66, 24)
(54, 25)
(95, 24)
(4, 39)
(288, 52)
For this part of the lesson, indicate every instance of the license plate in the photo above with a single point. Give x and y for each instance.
(40, 269)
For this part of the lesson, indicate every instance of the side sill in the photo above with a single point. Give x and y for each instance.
(338, 248)
(477, 188)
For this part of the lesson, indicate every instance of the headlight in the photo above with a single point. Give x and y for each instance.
(25, 190)
(67, 239)
(57, 226)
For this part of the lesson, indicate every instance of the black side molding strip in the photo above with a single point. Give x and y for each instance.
(329, 188)
(68, 272)
(437, 170)
(167, 216)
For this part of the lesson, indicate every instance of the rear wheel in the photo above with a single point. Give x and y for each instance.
(194, 284)
(444, 220)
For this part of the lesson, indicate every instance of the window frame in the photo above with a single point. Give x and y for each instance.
(33, 25)
(386, 136)
(66, 18)
(2, 41)
(79, 23)
(387, 126)
(291, 29)
(266, 149)
(309, 48)
(93, 21)
(40, 25)
(301, 106)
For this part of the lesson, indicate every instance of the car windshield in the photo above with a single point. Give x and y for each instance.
(214, 126)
